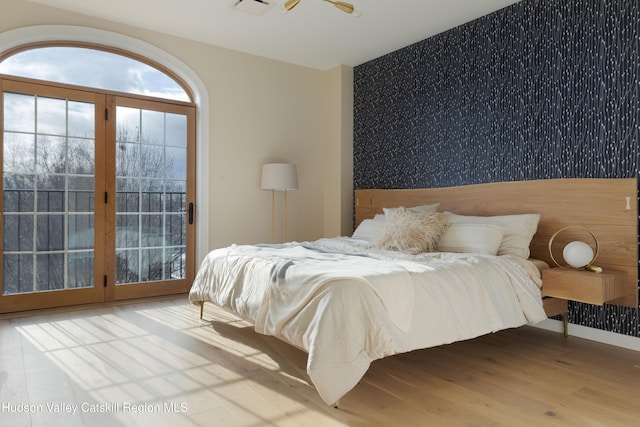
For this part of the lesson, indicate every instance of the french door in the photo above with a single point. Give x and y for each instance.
(98, 194)
(154, 193)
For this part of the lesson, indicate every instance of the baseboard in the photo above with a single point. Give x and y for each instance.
(606, 337)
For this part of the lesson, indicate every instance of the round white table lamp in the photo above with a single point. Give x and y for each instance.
(577, 254)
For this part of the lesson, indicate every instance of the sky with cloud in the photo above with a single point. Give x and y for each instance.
(93, 68)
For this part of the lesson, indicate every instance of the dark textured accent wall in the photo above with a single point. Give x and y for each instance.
(540, 89)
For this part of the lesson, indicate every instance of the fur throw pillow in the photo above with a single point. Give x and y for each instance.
(411, 232)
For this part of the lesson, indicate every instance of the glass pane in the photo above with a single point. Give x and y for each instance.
(127, 201)
(152, 265)
(80, 269)
(51, 154)
(128, 125)
(176, 201)
(19, 153)
(175, 230)
(176, 186)
(176, 166)
(128, 185)
(128, 159)
(80, 231)
(127, 231)
(17, 235)
(50, 233)
(17, 274)
(93, 68)
(152, 201)
(49, 272)
(50, 201)
(81, 157)
(152, 161)
(81, 120)
(18, 182)
(18, 200)
(51, 182)
(175, 263)
(52, 116)
(151, 230)
(50, 196)
(176, 130)
(127, 266)
(19, 112)
(152, 185)
(152, 128)
(80, 194)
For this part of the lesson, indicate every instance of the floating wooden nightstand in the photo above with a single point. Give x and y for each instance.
(583, 286)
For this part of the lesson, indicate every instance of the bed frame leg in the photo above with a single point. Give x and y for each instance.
(337, 404)
(201, 308)
(565, 323)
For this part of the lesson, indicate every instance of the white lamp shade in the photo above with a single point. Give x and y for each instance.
(279, 176)
(577, 254)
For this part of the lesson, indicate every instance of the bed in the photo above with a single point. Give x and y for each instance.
(388, 289)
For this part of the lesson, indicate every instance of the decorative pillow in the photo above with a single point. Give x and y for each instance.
(411, 231)
(369, 229)
(471, 238)
(422, 208)
(518, 230)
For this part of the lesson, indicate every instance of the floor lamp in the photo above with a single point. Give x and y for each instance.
(279, 177)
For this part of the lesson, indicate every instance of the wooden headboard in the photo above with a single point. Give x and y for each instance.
(606, 207)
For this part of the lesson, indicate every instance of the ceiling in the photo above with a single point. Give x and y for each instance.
(314, 34)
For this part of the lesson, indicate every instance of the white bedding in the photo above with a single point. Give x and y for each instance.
(346, 305)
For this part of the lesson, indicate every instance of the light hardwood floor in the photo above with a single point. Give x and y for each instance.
(155, 363)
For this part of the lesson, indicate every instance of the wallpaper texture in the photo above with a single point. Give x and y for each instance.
(540, 89)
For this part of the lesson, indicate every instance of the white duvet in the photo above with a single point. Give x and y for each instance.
(347, 306)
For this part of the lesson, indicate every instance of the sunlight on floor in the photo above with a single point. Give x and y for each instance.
(149, 364)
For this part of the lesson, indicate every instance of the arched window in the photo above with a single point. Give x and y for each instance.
(98, 161)
(94, 67)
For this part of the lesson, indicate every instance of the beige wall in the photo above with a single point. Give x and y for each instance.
(259, 111)
(338, 177)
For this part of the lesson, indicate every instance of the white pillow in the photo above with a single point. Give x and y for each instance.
(471, 238)
(369, 229)
(518, 230)
(422, 208)
(410, 231)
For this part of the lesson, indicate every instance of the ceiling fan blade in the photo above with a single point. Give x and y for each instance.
(290, 4)
(345, 7)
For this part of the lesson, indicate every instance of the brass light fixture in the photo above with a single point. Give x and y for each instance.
(290, 4)
(343, 6)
